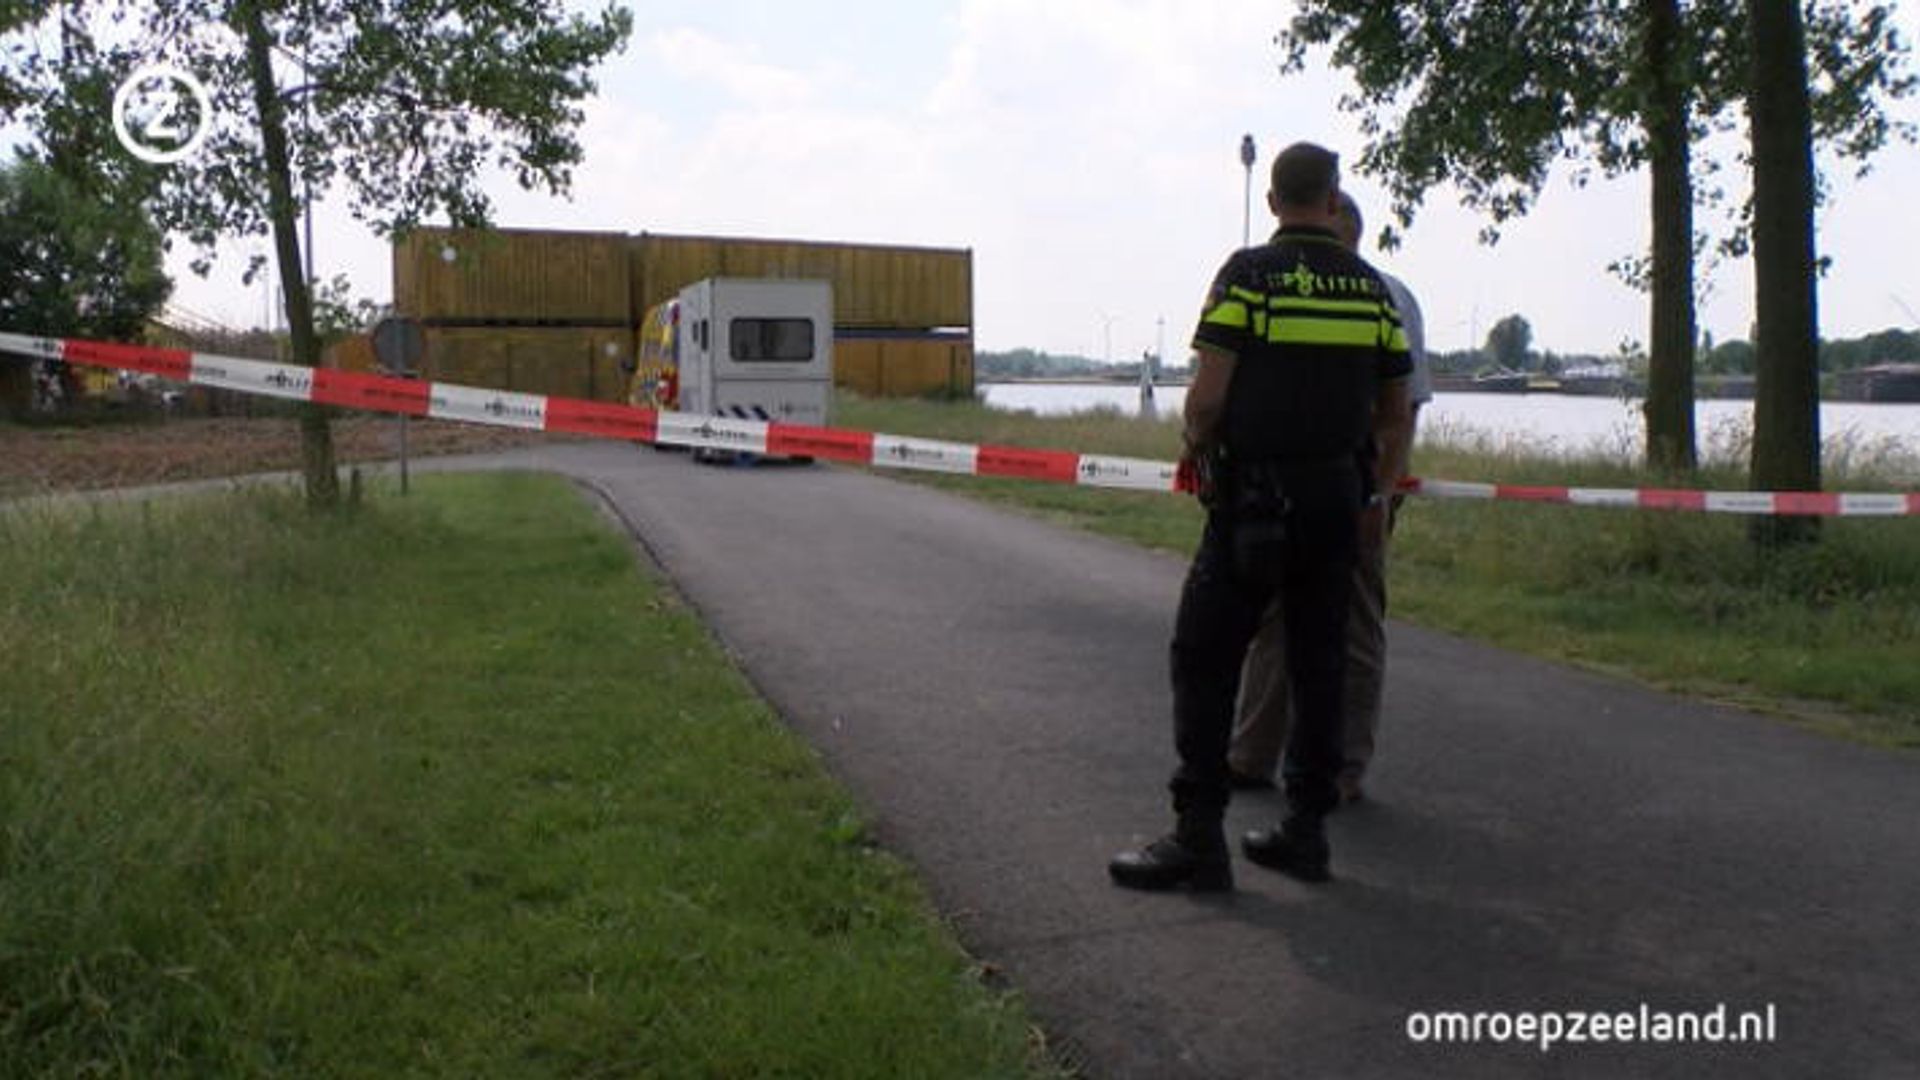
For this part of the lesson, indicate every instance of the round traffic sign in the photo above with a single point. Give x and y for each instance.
(399, 344)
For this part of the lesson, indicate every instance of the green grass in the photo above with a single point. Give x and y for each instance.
(443, 787)
(1823, 633)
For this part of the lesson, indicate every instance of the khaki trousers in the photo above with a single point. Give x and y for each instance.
(1262, 722)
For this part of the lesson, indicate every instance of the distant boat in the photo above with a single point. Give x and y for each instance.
(1726, 387)
(1500, 382)
(1601, 386)
(1601, 380)
(1880, 383)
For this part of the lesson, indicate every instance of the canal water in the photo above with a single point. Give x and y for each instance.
(1885, 435)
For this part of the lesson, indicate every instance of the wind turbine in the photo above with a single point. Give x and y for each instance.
(1903, 307)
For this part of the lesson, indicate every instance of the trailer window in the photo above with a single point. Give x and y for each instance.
(753, 340)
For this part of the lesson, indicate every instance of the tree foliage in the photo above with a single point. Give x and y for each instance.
(1036, 364)
(1510, 342)
(72, 264)
(1891, 346)
(400, 106)
(1733, 357)
(14, 14)
(337, 312)
(397, 105)
(1486, 97)
(1489, 97)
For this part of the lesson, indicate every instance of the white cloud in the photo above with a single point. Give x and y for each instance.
(731, 65)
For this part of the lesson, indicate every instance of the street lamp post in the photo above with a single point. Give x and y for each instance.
(306, 180)
(1247, 156)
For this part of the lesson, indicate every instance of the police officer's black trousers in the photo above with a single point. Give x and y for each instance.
(1235, 573)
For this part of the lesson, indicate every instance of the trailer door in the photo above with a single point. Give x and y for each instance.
(773, 329)
(696, 348)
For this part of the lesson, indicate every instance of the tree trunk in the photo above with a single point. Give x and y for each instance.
(1786, 407)
(1669, 408)
(316, 433)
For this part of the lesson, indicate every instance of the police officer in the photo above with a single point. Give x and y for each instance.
(1300, 373)
(1260, 730)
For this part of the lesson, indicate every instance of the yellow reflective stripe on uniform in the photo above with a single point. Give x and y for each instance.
(1228, 313)
(1290, 319)
(1332, 307)
(1303, 331)
(1232, 312)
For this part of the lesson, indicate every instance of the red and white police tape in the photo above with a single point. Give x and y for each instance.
(538, 412)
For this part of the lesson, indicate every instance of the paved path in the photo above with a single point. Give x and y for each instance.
(994, 691)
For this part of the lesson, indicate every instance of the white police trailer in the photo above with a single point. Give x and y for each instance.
(757, 349)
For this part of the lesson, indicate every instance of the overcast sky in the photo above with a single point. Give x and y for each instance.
(1087, 151)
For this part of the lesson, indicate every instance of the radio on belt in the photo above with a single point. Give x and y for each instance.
(740, 349)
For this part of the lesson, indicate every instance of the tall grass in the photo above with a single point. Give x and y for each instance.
(1683, 599)
(441, 788)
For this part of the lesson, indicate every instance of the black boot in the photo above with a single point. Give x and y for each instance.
(1298, 848)
(1192, 857)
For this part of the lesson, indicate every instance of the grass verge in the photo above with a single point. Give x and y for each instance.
(443, 787)
(1823, 633)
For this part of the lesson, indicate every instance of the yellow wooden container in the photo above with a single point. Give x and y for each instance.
(512, 276)
(874, 286)
(573, 362)
(351, 353)
(903, 366)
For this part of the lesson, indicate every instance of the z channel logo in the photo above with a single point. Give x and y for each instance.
(162, 114)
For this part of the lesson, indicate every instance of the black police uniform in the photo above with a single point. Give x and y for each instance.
(1314, 334)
